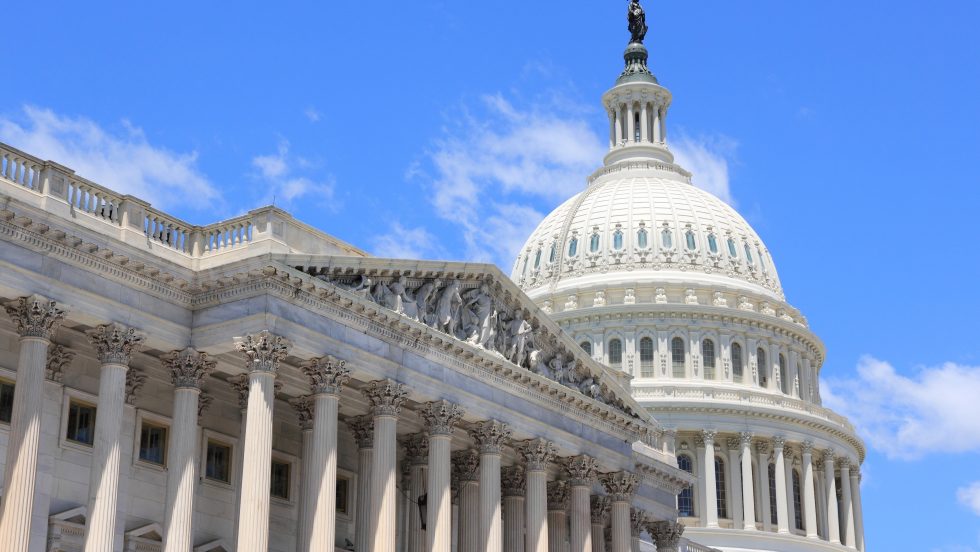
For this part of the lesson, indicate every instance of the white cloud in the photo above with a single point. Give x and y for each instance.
(707, 158)
(934, 411)
(278, 173)
(969, 496)
(124, 161)
(312, 115)
(407, 243)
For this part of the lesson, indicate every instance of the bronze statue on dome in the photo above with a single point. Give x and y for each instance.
(637, 22)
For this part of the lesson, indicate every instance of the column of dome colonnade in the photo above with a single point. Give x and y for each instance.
(36, 319)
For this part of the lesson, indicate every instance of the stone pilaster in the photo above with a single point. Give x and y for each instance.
(833, 519)
(748, 497)
(537, 454)
(303, 405)
(263, 352)
(620, 486)
(558, 516)
(513, 483)
(362, 427)
(858, 513)
(386, 398)
(490, 437)
(710, 481)
(789, 457)
(599, 507)
(582, 472)
(735, 481)
(416, 448)
(667, 535)
(847, 531)
(809, 500)
(466, 471)
(782, 511)
(188, 368)
(439, 419)
(763, 450)
(36, 319)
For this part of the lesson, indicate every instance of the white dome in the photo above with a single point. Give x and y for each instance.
(597, 237)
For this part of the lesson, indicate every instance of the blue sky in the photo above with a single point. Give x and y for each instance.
(846, 132)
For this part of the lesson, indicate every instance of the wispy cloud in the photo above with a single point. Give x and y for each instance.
(408, 243)
(312, 115)
(124, 161)
(969, 496)
(707, 157)
(279, 173)
(933, 411)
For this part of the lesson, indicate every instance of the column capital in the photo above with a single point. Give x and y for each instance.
(134, 382)
(620, 485)
(789, 453)
(807, 448)
(416, 449)
(537, 453)
(59, 358)
(240, 384)
(733, 443)
(188, 368)
(828, 456)
(844, 463)
(665, 533)
(363, 429)
(638, 520)
(746, 438)
(304, 407)
(708, 435)
(513, 480)
(599, 509)
(490, 436)
(440, 417)
(328, 375)
(35, 316)
(557, 492)
(778, 442)
(582, 469)
(466, 465)
(386, 397)
(763, 447)
(263, 350)
(115, 343)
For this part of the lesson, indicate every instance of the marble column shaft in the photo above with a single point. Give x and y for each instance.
(858, 514)
(833, 518)
(513, 488)
(765, 511)
(307, 501)
(710, 482)
(735, 482)
(599, 513)
(620, 486)
(537, 454)
(362, 427)
(490, 437)
(386, 397)
(782, 512)
(557, 525)
(582, 472)
(36, 318)
(809, 500)
(847, 531)
(439, 419)
(748, 496)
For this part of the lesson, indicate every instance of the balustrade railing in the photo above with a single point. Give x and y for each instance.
(95, 200)
(227, 234)
(20, 168)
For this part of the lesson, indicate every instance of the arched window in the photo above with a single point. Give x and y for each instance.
(677, 357)
(772, 494)
(762, 260)
(712, 243)
(720, 488)
(708, 357)
(666, 238)
(783, 379)
(797, 503)
(573, 247)
(615, 353)
(731, 248)
(737, 362)
(641, 238)
(646, 357)
(636, 126)
(586, 346)
(685, 500)
(524, 269)
(691, 243)
(537, 260)
(594, 243)
(552, 257)
(748, 254)
(760, 356)
(618, 240)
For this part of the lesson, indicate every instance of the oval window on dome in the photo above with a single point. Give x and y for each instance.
(731, 248)
(691, 244)
(641, 238)
(537, 260)
(618, 240)
(748, 254)
(594, 243)
(573, 247)
(667, 239)
(712, 243)
(554, 252)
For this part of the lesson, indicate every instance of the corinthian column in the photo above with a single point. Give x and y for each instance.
(537, 454)
(638, 520)
(763, 449)
(858, 515)
(513, 486)
(582, 473)
(363, 429)
(845, 487)
(386, 397)
(748, 497)
(620, 486)
(263, 352)
(36, 319)
(327, 376)
(490, 437)
(466, 466)
(735, 482)
(439, 419)
(557, 516)
(417, 456)
(114, 346)
(833, 518)
(188, 368)
(304, 413)
(809, 501)
(667, 535)
(710, 483)
(782, 514)
(599, 508)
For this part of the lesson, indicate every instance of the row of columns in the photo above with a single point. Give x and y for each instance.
(623, 123)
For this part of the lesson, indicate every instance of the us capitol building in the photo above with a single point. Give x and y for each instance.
(638, 383)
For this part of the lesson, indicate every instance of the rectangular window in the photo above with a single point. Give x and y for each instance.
(218, 464)
(6, 402)
(153, 444)
(81, 423)
(280, 480)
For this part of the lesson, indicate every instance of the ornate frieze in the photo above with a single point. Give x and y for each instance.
(35, 316)
(513, 481)
(59, 358)
(557, 495)
(440, 417)
(582, 470)
(466, 465)
(134, 382)
(490, 436)
(416, 447)
(115, 343)
(599, 509)
(620, 485)
(362, 427)
(263, 350)
(304, 407)
(386, 397)
(188, 368)
(537, 453)
(327, 374)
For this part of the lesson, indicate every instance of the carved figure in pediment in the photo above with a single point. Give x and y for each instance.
(538, 365)
(400, 298)
(361, 286)
(382, 295)
(518, 330)
(447, 309)
(478, 319)
(424, 304)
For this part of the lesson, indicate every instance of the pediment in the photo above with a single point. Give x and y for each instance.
(152, 532)
(213, 546)
(75, 515)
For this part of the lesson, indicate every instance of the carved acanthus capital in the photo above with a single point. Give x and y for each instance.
(778, 443)
(188, 368)
(305, 408)
(789, 453)
(828, 456)
(263, 350)
(638, 520)
(599, 509)
(620, 485)
(240, 384)
(386, 397)
(733, 443)
(134, 381)
(115, 343)
(746, 438)
(763, 447)
(844, 463)
(59, 358)
(34, 316)
(513, 481)
(708, 437)
(582, 470)
(328, 375)
(557, 495)
(537, 453)
(363, 429)
(807, 447)
(466, 465)
(416, 449)
(667, 534)
(491, 436)
(440, 417)
(204, 400)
